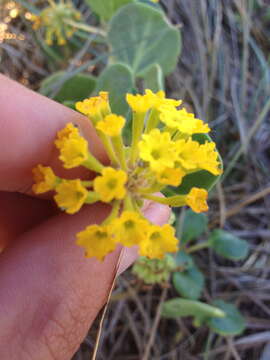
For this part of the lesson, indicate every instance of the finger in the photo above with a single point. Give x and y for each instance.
(50, 293)
(19, 213)
(29, 123)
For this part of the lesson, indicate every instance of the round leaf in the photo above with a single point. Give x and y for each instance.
(183, 260)
(227, 245)
(118, 80)
(194, 225)
(138, 32)
(189, 283)
(106, 8)
(232, 324)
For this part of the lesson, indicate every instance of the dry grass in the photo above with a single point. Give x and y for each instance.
(223, 74)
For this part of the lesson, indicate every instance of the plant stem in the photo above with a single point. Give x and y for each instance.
(197, 247)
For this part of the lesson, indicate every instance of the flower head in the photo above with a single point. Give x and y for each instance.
(70, 195)
(95, 106)
(68, 132)
(158, 149)
(196, 199)
(130, 228)
(170, 176)
(111, 184)
(96, 240)
(182, 120)
(45, 179)
(139, 103)
(157, 100)
(208, 158)
(74, 152)
(160, 239)
(112, 125)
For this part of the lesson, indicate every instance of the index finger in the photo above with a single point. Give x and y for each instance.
(28, 125)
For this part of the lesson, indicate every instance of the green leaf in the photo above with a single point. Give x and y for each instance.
(189, 283)
(77, 88)
(118, 80)
(227, 245)
(141, 36)
(154, 79)
(194, 225)
(201, 179)
(232, 324)
(106, 8)
(177, 307)
(184, 260)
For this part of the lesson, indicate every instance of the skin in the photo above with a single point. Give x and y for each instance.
(50, 294)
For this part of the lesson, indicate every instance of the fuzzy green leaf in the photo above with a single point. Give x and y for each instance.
(232, 324)
(189, 283)
(141, 36)
(106, 8)
(154, 79)
(118, 80)
(194, 225)
(227, 245)
(74, 89)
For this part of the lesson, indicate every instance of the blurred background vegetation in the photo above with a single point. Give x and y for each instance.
(222, 75)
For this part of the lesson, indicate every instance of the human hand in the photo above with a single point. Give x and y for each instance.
(50, 294)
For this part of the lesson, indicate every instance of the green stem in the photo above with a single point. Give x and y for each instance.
(93, 164)
(87, 183)
(108, 146)
(202, 245)
(87, 28)
(119, 149)
(114, 212)
(128, 205)
(174, 201)
(137, 129)
(153, 120)
(92, 197)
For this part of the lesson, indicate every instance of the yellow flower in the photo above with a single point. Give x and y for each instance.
(182, 120)
(196, 199)
(96, 240)
(45, 179)
(68, 132)
(112, 125)
(74, 152)
(70, 195)
(208, 158)
(95, 106)
(139, 103)
(158, 149)
(129, 229)
(188, 153)
(111, 184)
(170, 176)
(157, 100)
(160, 240)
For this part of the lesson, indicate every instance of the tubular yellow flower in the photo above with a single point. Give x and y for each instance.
(158, 149)
(130, 229)
(188, 153)
(157, 100)
(182, 120)
(45, 179)
(139, 103)
(112, 125)
(68, 132)
(170, 176)
(74, 152)
(96, 240)
(70, 195)
(196, 199)
(208, 158)
(111, 184)
(160, 239)
(95, 107)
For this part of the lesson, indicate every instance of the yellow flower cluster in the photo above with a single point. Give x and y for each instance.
(162, 152)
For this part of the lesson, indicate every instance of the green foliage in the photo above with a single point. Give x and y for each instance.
(153, 271)
(141, 36)
(194, 225)
(118, 80)
(154, 79)
(232, 324)
(106, 8)
(177, 307)
(189, 283)
(184, 260)
(227, 245)
(77, 88)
